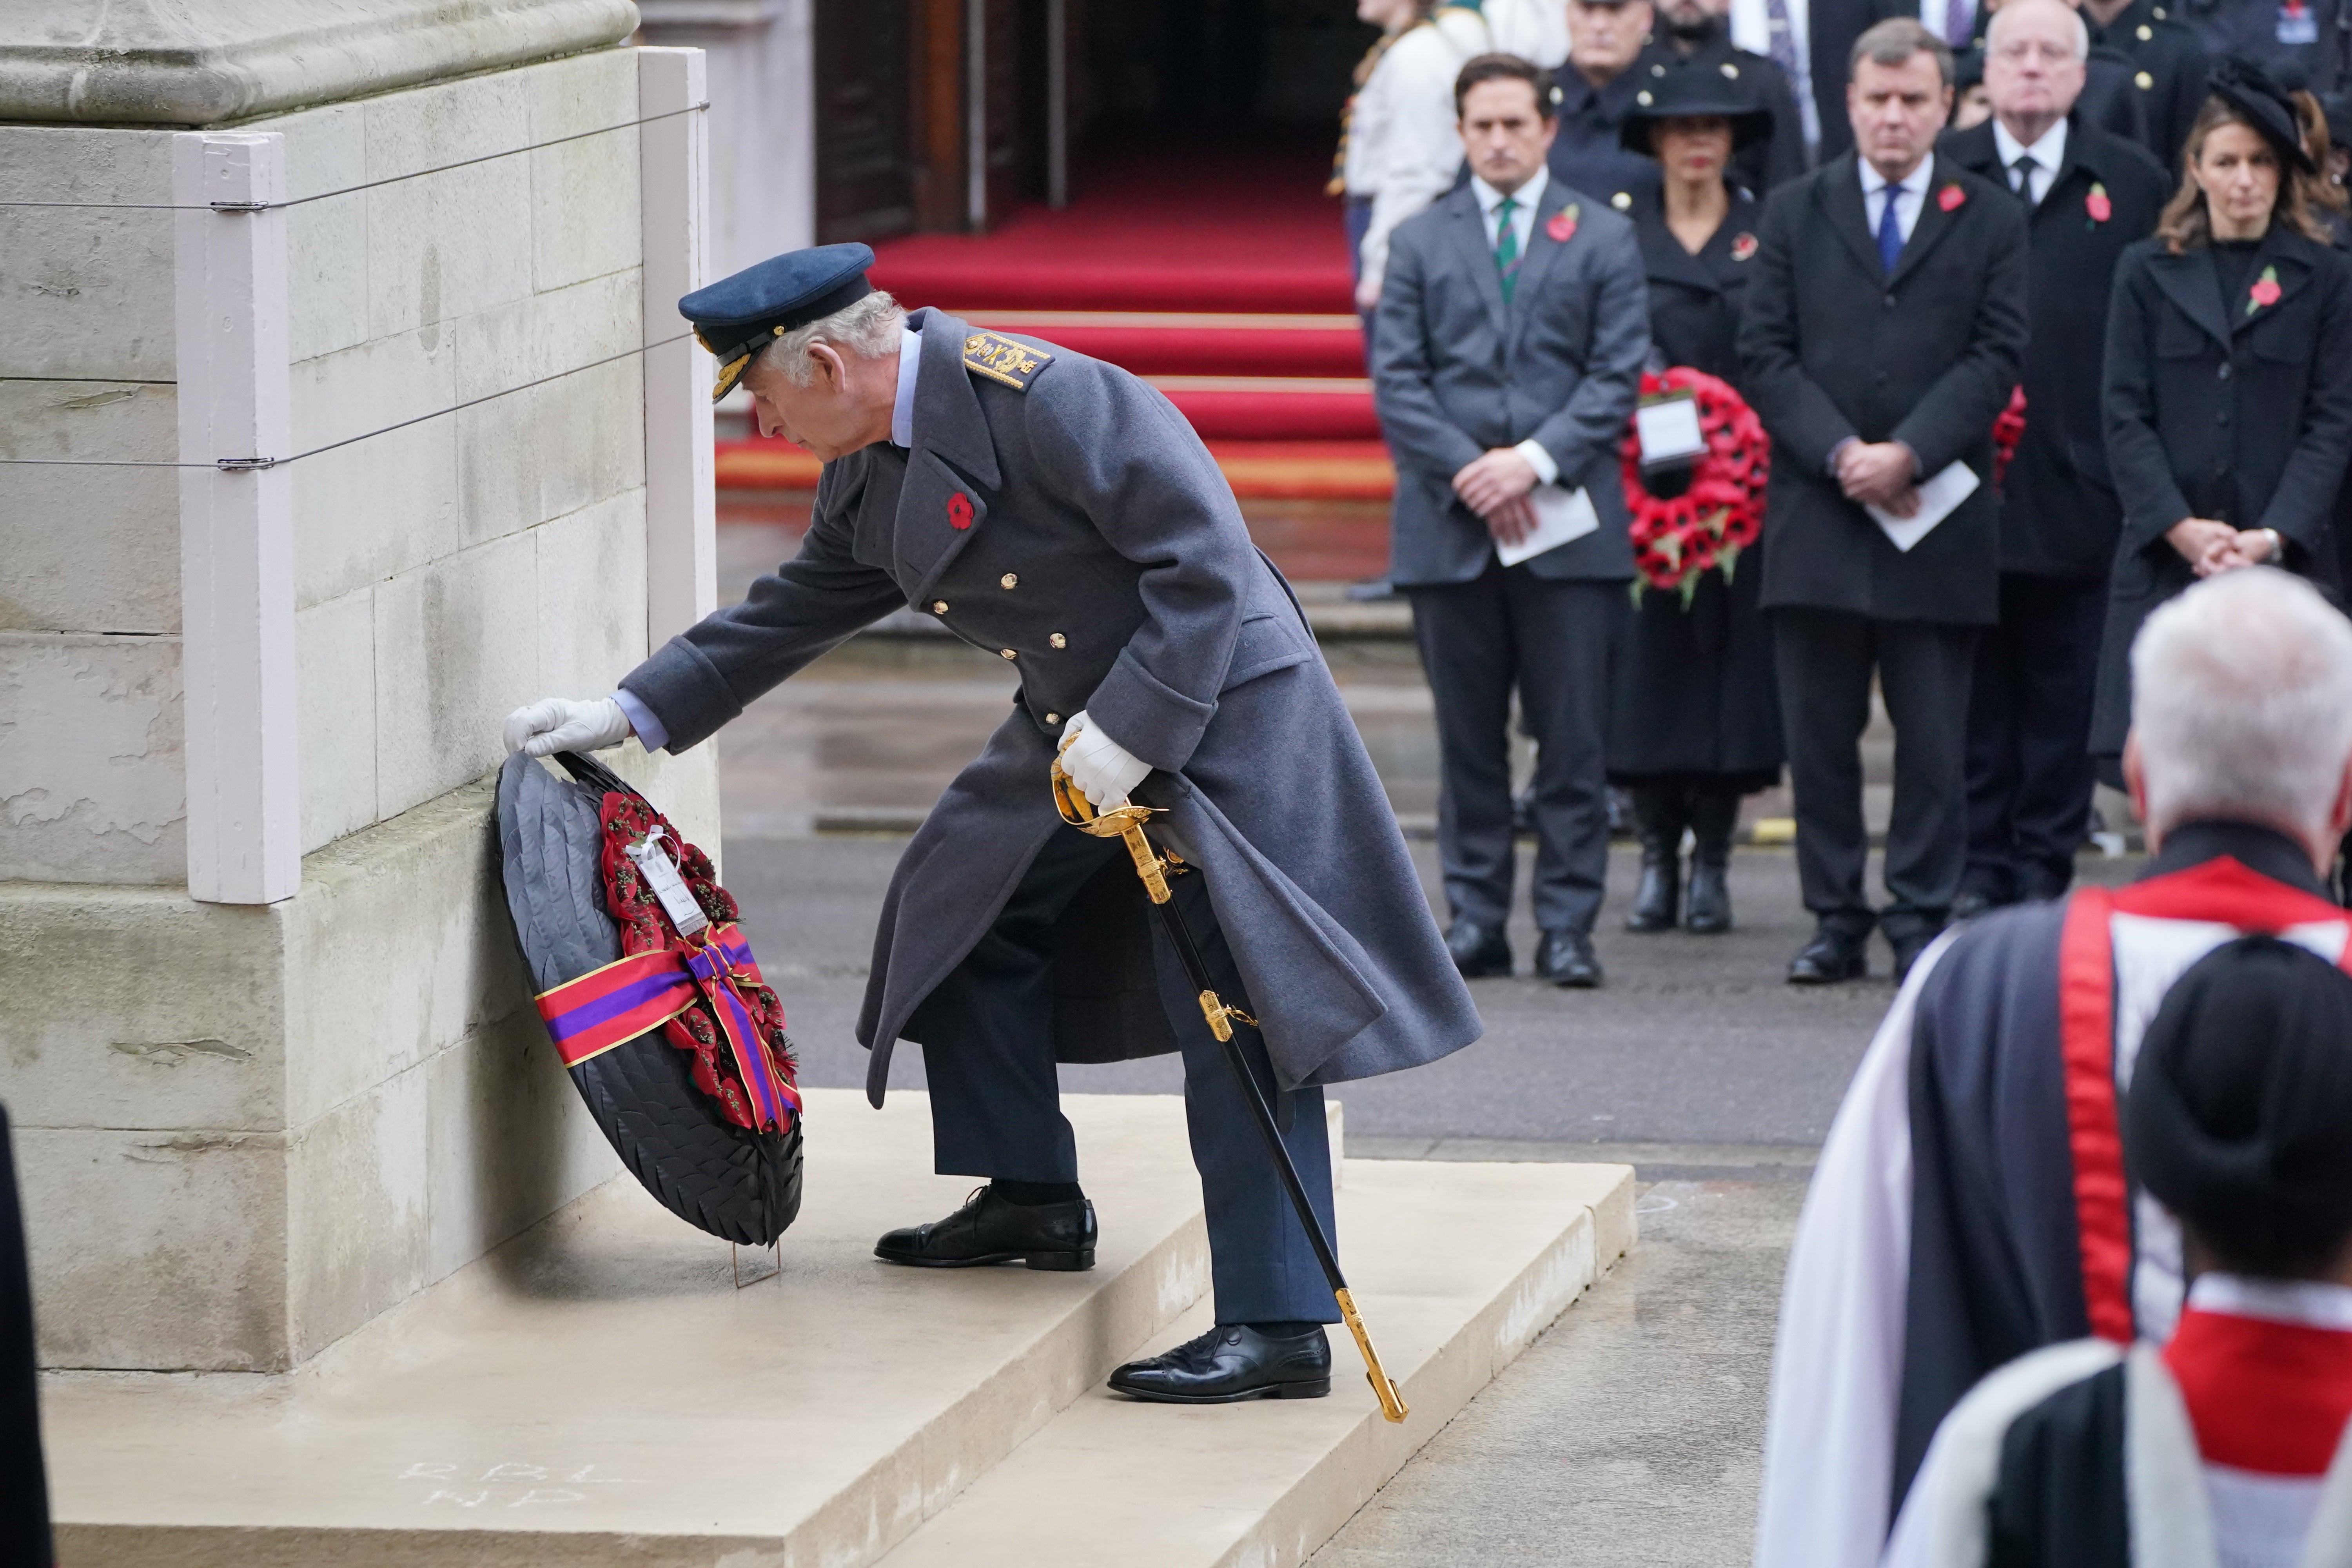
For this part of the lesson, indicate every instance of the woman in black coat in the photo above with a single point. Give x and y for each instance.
(1694, 721)
(2229, 378)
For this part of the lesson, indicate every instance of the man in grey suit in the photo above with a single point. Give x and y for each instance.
(1058, 513)
(1507, 355)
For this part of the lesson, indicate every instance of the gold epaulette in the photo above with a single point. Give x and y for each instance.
(1001, 358)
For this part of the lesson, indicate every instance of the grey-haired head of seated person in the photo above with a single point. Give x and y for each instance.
(2239, 1102)
(2242, 706)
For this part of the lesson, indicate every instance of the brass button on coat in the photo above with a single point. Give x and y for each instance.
(1008, 653)
(938, 606)
(1053, 717)
(1009, 580)
(1058, 640)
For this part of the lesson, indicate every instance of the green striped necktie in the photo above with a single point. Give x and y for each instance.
(1506, 246)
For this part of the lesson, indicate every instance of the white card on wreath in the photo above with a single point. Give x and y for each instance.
(1937, 499)
(1562, 517)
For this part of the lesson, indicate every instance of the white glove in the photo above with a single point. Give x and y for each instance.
(1103, 770)
(560, 724)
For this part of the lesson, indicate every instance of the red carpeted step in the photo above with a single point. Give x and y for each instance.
(1171, 342)
(1274, 408)
(1351, 470)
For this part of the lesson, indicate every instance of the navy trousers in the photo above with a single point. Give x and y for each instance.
(2029, 760)
(1505, 630)
(987, 1054)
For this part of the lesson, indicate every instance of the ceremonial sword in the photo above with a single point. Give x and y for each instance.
(1126, 822)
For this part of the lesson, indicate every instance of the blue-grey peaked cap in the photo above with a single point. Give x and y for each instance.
(737, 317)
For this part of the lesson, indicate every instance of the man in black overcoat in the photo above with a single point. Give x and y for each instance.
(1694, 35)
(1593, 89)
(2168, 67)
(2088, 194)
(1862, 405)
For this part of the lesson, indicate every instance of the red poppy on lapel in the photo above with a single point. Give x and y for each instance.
(1562, 226)
(1743, 246)
(2098, 206)
(1950, 196)
(2265, 291)
(959, 511)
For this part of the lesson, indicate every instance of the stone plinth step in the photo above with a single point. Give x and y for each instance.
(1456, 1268)
(598, 1392)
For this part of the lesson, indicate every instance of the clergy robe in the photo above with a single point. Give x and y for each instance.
(1970, 1203)
(2225, 1449)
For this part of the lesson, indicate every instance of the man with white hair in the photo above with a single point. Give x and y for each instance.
(1058, 513)
(1971, 1202)
(2088, 194)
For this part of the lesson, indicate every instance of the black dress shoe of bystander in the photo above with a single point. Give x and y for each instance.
(1565, 958)
(1478, 951)
(1232, 1361)
(1835, 954)
(990, 1229)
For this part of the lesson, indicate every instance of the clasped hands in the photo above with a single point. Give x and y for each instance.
(1496, 486)
(2212, 548)
(1884, 474)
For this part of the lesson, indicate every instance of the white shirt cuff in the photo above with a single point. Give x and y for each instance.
(650, 734)
(1546, 471)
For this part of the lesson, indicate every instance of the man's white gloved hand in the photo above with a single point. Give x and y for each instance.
(560, 724)
(1103, 770)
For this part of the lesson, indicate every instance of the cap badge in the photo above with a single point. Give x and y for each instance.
(1001, 358)
(959, 511)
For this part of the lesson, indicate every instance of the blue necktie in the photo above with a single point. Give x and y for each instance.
(1890, 232)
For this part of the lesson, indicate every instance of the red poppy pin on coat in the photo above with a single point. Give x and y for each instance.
(1743, 247)
(2098, 206)
(1562, 226)
(2265, 292)
(1950, 196)
(959, 511)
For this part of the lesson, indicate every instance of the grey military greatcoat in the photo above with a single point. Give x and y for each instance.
(1061, 514)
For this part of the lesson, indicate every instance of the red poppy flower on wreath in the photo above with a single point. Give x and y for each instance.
(1743, 247)
(1562, 226)
(1678, 539)
(2265, 292)
(1950, 196)
(2098, 206)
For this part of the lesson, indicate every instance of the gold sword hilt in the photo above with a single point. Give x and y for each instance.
(1121, 821)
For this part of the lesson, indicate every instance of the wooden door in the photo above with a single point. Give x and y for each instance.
(866, 157)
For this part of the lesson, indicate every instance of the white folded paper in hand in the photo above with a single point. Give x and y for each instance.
(1562, 517)
(1937, 496)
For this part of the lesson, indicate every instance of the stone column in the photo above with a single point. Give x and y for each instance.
(763, 68)
(252, 1118)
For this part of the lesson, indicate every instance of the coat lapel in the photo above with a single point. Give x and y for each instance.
(941, 505)
(1841, 196)
(2280, 250)
(1935, 220)
(1469, 230)
(2189, 281)
(1542, 250)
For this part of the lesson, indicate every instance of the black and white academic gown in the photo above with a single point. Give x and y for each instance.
(2224, 1449)
(1970, 1203)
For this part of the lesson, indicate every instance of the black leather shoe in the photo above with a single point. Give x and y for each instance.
(1478, 951)
(1565, 958)
(1232, 1361)
(1833, 954)
(1909, 938)
(1708, 910)
(1714, 816)
(990, 1229)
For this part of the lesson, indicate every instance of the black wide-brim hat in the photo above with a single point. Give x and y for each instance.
(2258, 99)
(1688, 92)
(737, 1184)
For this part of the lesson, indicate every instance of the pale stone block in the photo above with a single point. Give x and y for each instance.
(401, 945)
(85, 293)
(159, 1250)
(140, 1008)
(510, 1141)
(455, 653)
(89, 548)
(547, 333)
(326, 241)
(335, 653)
(592, 595)
(593, 443)
(356, 1217)
(583, 193)
(387, 504)
(92, 779)
(446, 245)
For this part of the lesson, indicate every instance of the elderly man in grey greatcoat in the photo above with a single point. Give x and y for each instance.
(1059, 513)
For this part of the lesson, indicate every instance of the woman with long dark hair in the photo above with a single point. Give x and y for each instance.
(2229, 377)
(1694, 721)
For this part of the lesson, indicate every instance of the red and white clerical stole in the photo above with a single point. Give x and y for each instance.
(2266, 1368)
(2119, 952)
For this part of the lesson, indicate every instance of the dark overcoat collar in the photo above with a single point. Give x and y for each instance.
(948, 417)
(1713, 269)
(1841, 192)
(2191, 283)
(1976, 151)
